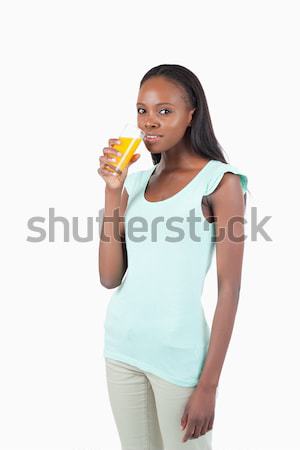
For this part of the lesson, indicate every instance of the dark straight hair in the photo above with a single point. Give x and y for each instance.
(200, 134)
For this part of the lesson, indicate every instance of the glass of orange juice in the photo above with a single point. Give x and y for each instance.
(130, 137)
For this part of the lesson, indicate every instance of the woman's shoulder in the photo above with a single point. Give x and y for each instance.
(216, 172)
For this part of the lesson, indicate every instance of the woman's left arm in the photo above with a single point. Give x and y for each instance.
(228, 206)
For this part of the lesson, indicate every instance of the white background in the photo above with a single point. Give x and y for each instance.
(69, 81)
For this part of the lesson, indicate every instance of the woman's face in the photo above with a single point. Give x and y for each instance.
(161, 110)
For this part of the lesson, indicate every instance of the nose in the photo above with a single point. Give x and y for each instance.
(150, 124)
(149, 121)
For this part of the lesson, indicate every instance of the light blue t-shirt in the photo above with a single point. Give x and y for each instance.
(155, 319)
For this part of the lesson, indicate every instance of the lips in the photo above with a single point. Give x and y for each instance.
(152, 138)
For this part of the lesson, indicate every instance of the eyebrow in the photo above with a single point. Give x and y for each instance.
(163, 103)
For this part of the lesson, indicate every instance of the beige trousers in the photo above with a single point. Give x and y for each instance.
(147, 410)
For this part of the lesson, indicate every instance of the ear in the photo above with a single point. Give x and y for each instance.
(191, 116)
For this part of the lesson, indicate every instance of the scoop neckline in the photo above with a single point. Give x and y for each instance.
(200, 173)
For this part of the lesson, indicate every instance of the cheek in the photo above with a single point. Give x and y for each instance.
(175, 129)
(176, 124)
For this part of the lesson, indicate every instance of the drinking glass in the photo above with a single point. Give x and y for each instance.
(130, 138)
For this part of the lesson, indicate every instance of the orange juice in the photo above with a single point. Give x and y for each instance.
(127, 147)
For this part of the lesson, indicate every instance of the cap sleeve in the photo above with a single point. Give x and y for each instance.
(218, 173)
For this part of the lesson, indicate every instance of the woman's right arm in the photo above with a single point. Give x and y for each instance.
(112, 257)
(112, 245)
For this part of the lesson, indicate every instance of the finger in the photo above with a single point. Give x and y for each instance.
(203, 428)
(113, 141)
(210, 423)
(106, 172)
(197, 432)
(111, 151)
(107, 160)
(108, 167)
(107, 157)
(189, 432)
(104, 162)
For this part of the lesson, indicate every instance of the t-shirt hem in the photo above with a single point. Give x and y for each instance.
(148, 368)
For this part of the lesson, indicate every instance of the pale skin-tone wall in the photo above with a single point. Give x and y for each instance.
(177, 167)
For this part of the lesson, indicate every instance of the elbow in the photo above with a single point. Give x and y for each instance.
(111, 279)
(109, 284)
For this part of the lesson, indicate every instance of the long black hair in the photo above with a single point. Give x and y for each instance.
(200, 134)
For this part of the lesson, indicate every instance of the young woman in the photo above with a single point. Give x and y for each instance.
(163, 363)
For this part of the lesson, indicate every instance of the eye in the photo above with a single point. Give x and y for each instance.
(164, 109)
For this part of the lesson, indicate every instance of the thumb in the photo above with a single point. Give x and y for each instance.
(134, 158)
(183, 421)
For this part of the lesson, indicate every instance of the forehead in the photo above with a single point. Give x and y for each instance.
(160, 90)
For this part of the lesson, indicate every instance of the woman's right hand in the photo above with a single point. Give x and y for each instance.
(113, 180)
